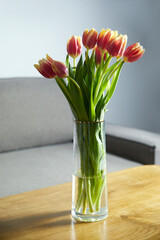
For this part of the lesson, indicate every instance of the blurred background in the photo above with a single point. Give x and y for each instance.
(32, 28)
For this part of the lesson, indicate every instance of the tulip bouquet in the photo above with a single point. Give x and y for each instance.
(88, 86)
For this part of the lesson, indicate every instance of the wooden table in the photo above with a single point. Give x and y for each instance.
(134, 211)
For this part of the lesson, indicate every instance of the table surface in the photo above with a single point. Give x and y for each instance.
(134, 211)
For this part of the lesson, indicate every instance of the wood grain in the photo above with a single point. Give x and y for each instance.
(134, 211)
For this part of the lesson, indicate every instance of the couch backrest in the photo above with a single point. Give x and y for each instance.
(33, 112)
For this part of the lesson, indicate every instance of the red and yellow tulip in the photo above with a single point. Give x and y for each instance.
(133, 53)
(74, 46)
(117, 46)
(45, 68)
(89, 38)
(50, 68)
(103, 38)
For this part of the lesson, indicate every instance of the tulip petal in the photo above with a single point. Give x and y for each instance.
(79, 45)
(49, 58)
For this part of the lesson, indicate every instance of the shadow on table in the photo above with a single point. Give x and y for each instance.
(17, 225)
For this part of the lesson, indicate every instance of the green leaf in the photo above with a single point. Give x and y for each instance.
(61, 83)
(67, 61)
(86, 91)
(92, 108)
(71, 73)
(100, 108)
(114, 83)
(91, 62)
(96, 77)
(90, 77)
(108, 86)
(77, 98)
(85, 68)
(104, 81)
(79, 73)
(80, 64)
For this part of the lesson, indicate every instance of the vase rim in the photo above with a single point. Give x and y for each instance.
(78, 121)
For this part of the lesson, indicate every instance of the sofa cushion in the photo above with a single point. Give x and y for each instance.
(33, 112)
(40, 167)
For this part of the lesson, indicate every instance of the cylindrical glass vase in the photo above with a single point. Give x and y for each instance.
(89, 181)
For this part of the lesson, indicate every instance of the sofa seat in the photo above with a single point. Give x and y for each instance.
(40, 167)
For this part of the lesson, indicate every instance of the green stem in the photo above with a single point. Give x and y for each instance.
(86, 55)
(91, 157)
(107, 64)
(71, 79)
(84, 202)
(79, 201)
(74, 62)
(99, 194)
(100, 78)
(96, 71)
(88, 193)
(111, 74)
(80, 194)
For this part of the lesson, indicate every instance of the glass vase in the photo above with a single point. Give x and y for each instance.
(89, 181)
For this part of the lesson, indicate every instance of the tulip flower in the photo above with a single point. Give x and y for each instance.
(117, 46)
(89, 38)
(74, 46)
(114, 34)
(98, 55)
(60, 69)
(103, 38)
(45, 68)
(133, 53)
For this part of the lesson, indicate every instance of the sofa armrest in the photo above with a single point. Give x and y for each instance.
(133, 144)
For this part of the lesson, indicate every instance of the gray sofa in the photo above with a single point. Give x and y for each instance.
(36, 138)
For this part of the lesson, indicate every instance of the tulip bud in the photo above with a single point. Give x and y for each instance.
(89, 38)
(74, 46)
(98, 55)
(133, 53)
(60, 69)
(114, 34)
(103, 38)
(45, 68)
(116, 46)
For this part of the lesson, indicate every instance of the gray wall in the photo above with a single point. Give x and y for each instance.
(32, 28)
